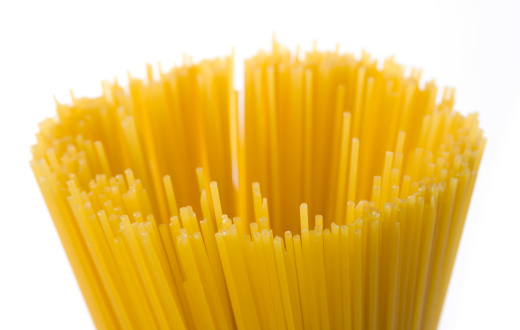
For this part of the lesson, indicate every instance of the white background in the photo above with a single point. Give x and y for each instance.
(49, 47)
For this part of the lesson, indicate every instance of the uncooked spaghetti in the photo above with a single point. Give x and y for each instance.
(387, 171)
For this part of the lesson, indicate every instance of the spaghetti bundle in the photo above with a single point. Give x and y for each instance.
(386, 170)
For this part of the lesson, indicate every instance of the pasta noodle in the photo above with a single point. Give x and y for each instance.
(386, 171)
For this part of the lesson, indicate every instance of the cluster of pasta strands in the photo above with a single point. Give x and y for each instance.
(389, 171)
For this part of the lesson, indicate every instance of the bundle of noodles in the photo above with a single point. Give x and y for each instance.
(388, 172)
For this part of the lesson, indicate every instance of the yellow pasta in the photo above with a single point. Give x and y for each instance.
(386, 172)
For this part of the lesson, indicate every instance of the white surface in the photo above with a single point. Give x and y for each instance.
(48, 47)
